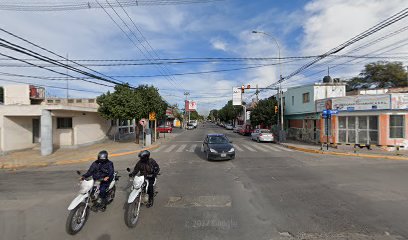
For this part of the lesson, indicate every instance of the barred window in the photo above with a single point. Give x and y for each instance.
(397, 126)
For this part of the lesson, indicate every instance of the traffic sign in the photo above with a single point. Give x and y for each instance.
(152, 116)
(143, 122)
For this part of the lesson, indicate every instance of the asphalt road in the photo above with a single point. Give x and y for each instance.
(267, 192)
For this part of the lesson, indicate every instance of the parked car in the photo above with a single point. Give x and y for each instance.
(246, 130)
(262, 135)
(237, 128)
(229, 127)
(190, 126)
(164, 129)
(194, 122)
(218, 147)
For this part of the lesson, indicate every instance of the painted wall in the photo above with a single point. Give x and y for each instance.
(16, 133)
(17, 94)
(89, 128)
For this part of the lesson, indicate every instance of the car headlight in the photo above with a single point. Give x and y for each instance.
(212, 150)
(231, 150)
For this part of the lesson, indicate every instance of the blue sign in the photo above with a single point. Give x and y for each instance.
(334, 111)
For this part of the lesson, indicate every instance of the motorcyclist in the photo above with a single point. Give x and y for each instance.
(101, 169)
(149, 168)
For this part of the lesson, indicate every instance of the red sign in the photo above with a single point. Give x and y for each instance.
(191, 106)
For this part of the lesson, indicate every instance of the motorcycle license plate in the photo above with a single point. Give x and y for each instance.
(223, 154)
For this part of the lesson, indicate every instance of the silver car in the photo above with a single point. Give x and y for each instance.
(262, 135)
(237, 128)
(229, 127)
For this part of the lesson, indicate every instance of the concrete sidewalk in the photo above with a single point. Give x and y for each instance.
(33, 158)
(347, 150)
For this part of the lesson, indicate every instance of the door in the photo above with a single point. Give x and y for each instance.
(36, 130)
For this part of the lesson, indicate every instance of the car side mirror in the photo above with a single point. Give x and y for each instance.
(128, 169)
(78, 172)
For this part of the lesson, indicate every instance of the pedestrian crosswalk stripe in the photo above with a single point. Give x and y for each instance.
(272, 148)
(159, 148)
(249, 148)
(170, 148)
(192, 148)
(259, 148)
(238, 148)
(284, 149)
(181, 148)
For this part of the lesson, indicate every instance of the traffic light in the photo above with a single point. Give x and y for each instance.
(242, 89)
(276, 109)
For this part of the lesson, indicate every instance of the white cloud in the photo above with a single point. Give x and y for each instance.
(219, 44)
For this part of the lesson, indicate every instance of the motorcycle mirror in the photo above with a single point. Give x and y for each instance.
(78, 172)
(128, 169)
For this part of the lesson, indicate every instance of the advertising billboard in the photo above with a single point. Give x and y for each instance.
(236, 96)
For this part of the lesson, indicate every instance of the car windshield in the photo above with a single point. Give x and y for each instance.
(265, 131)
(217, 140)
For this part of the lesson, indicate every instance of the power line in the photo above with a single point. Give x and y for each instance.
(67, 6)
(50, 86)
(53, 53)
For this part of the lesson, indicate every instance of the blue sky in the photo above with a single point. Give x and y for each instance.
(218, 29)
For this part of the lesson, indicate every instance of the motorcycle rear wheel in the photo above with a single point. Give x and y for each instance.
(74, 221)
(131, 213)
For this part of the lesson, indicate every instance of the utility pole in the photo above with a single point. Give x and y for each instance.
(257, 92)
(185, 115)
(67, 81)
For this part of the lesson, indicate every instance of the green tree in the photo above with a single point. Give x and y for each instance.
(127, 103)
(380, 74)
(229, 112)
(264, 112)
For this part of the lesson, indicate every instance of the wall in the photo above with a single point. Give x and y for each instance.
(17, 133)
(17, 94)
(299, 107)
(61, 137)
(89, 128)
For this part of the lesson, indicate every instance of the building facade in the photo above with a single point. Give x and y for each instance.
(29, 120)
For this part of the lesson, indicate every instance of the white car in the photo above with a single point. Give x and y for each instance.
(262, 135)
(237, 128)
(229, 127)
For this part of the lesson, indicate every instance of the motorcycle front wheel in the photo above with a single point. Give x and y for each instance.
(132, 213)
(75, 222)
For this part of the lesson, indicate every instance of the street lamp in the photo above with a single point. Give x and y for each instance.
(280, 78)
(185, 116)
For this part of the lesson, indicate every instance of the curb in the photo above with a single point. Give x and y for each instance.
(344, 154)
(66, 162)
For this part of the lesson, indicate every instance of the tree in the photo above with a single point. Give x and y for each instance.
(229, 112)
(380, 75)
(264, 112)
(127, 103)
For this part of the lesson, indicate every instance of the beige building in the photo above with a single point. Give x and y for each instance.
(29, 120)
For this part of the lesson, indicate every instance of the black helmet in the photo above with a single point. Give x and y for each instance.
(144, 155)
(103, 155)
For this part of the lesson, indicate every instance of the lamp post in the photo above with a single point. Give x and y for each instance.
(280, 78)
(185, 115)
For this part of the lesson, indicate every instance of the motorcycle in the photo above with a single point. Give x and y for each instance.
(138, 195)
(87, 199)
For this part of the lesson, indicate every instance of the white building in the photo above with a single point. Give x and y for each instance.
(28, 120)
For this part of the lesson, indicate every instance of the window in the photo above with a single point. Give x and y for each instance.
(306, 98)
(397, 126)
(64, 123)
(50, 101)
(91, 100)
(79, 100)
(58, 101)
(70, 100)
(293, 100)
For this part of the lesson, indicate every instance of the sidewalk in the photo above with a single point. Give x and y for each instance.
(33, 158)
(346, 150)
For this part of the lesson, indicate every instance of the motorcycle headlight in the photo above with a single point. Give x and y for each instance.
(231, 150)
(213, 150)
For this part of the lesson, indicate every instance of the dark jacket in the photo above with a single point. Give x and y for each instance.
(100, 169)
(149, 167)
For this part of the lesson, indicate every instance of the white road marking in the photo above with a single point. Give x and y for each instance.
(160, 148)
(249, 148)
(181, 148)
(170, 148)
(238, 148)
(259, 147)
(192, 148)
(272, 148)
